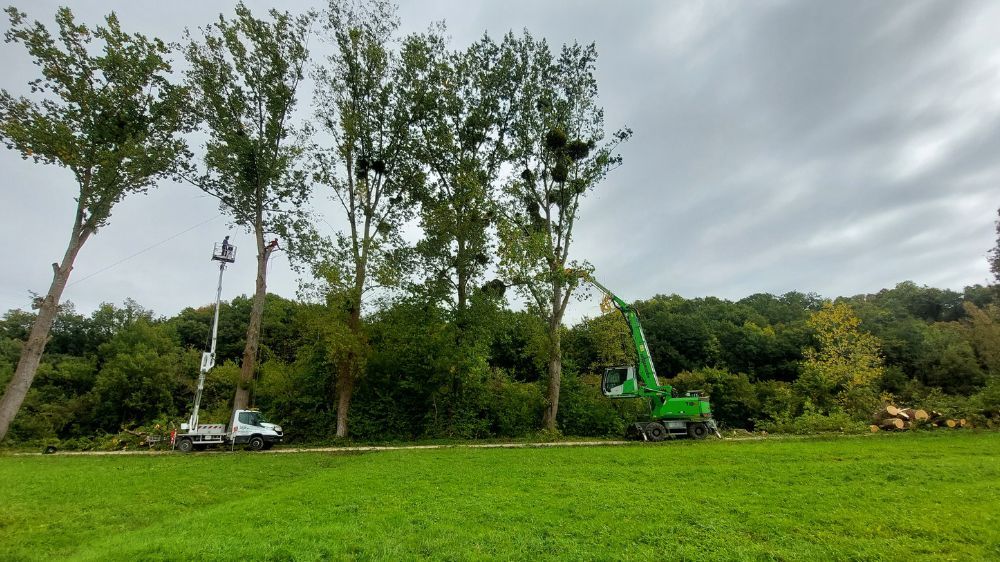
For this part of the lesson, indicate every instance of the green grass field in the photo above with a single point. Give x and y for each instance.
(883, 497)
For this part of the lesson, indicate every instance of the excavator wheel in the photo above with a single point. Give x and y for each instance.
(697, 431)
(655, 431)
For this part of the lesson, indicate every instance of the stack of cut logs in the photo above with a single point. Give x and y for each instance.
(892, 418)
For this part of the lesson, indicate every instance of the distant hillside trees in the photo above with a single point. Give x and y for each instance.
(799, 363)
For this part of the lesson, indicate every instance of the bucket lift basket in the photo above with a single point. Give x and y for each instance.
(226, 254)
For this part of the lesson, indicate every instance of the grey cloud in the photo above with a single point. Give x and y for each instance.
(836, 147)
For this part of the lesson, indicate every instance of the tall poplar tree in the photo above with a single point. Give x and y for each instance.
(110, 116)
(368, 169)
(560, 154)
(244, 78)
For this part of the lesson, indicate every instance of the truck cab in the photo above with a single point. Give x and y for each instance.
(247, 425)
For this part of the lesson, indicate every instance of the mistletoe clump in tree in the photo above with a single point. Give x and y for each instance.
(244, 77)
(110, 116)
(562, 154)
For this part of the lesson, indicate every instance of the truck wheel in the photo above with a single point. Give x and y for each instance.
(656, 432)
(697, 431)
(185, 446)
(256, 443)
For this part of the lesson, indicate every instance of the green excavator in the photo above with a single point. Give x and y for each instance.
(670, 417)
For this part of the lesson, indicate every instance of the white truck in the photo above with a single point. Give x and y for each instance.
(245, 427)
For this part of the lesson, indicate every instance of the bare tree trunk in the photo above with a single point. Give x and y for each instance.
(555, 362)
(249, 365)
(555, 379)
(346, 377)
(462, 273)
(345, 389)
(463, 289)
(31, 353)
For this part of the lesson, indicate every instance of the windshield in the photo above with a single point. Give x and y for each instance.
(252, 418)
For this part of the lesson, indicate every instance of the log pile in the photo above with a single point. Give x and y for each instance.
(892, 418)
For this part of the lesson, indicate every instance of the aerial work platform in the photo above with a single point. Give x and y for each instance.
(224, 252)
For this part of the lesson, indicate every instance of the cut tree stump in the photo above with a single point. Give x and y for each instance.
(892, 423)
(950, 424)
(889, 411)
(873, 428)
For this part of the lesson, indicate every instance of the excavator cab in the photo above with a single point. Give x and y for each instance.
(619, 382)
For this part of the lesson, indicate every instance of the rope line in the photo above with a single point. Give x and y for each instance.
(143, 251)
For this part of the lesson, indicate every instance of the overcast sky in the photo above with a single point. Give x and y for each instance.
(829, 147)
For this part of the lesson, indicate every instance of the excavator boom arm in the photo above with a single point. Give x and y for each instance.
(646, 370)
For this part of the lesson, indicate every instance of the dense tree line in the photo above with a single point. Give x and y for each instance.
(488, 149)
(767, 361)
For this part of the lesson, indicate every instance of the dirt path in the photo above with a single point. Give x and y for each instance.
(377, 448)
(357, 448)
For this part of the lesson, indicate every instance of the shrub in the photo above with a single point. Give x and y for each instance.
(987, 402)
(814, 422)
(515, 408)
(584, 411)
(732, 395)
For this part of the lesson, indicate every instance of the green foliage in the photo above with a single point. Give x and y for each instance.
(462, 103)
(243, 77)
(584, 411)
(369, 165)
(778, 400)
(948, 360)
(514, 407)
(141, 368)
(519, 345)
(987, 402)
(112, 117)
(430, 372)
(558, 140)
(846, 367)
(734, 400)
(982, 329)
(811, 423)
